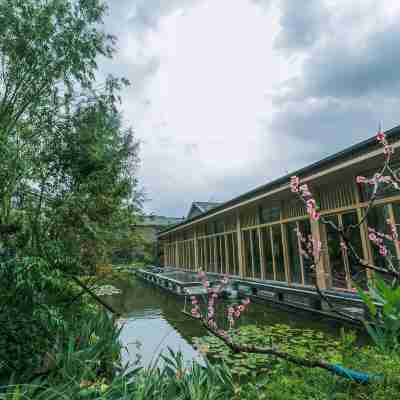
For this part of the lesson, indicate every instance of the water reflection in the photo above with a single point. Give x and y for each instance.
(154, 319)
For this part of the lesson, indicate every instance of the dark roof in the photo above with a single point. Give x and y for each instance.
(352, 151)
(205, 206)
(158, 220)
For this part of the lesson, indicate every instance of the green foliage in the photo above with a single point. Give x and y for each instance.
(384, 327)
(29, 315)
(300, 342)
(67, 177)
(266, 377)
(304, 384)
(76, 378)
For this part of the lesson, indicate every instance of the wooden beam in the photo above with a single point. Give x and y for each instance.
(285, 254)
(196, 252)
(252, 254)
(272, 252)
(227, 258)
(320, 267)
(262, 255)
(299, 247)
(239, 246)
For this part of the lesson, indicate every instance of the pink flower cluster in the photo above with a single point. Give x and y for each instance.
(387, 148)
(376, 179)
(309, 247)
(304, 192)
(378, 239)
(235, 311)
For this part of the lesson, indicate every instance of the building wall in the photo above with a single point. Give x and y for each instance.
(257, 240)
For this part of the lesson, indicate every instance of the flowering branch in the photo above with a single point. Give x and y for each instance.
(207, 318)
(377, 238)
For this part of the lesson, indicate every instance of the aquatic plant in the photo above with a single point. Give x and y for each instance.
(204, 311)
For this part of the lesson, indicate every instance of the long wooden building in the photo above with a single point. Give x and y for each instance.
(252, 237)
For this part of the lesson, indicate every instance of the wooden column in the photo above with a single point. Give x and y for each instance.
(227, 262)
(196, 252)
(320, 267)
(272, 251)
(367, 253)
(285, 253)
(239, 245)
(262, 255)
(252, 253)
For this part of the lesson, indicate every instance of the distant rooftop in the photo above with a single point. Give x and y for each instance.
(205, 206)
(200, 207)
(158, 220)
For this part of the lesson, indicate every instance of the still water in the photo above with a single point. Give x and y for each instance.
(153, 321)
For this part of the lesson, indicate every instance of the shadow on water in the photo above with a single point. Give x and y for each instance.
(153, 321)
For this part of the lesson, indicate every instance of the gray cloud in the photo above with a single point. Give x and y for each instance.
(345, 87)
(148, 13)
(343, 90)
(301, 26)
(340, 70)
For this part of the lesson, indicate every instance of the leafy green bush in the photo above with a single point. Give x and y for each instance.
(384, 327)
(31, 293)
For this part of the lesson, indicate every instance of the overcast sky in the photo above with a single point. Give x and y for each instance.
(229, 94)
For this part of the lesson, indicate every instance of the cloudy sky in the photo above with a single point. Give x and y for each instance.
(229, 94)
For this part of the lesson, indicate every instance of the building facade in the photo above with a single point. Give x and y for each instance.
(253, 236)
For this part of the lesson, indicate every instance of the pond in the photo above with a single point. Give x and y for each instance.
(153, 321)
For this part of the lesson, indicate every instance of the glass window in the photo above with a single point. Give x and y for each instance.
(218, 249)
(235, 259)
(357, 273)
(294, 254)
(266, 243)
(377, 218)
(210, 228)
(278, 253)
(336, 264)
(269, 214)
(223, 255)
(210, 254)
(308, 263)
(256, 254)
(219, 226)
(247, 255)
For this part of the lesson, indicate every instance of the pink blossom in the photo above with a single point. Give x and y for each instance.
(231, 310)
(315, 215)
(361, 179)
(383, 251)
(294, 184)
(372, 237)
(380, 136)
